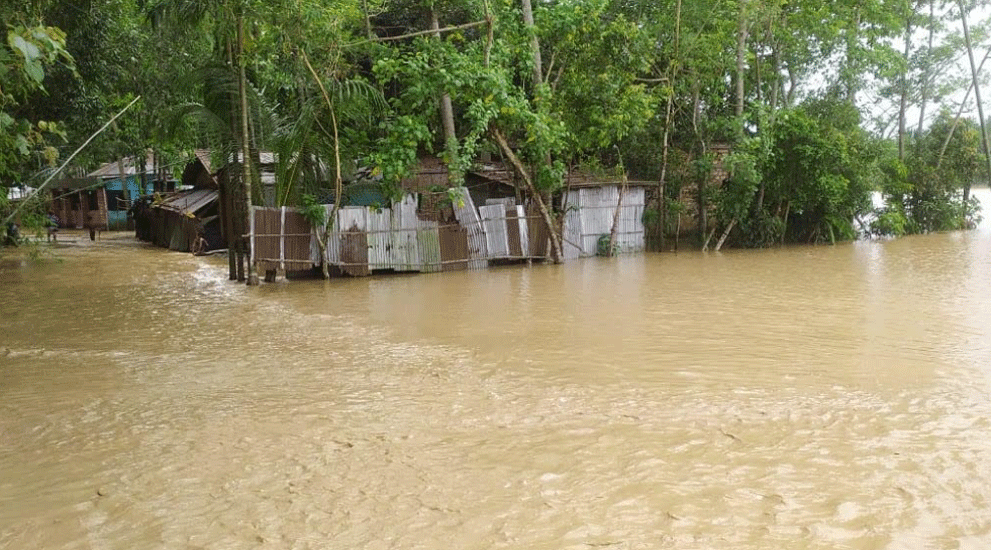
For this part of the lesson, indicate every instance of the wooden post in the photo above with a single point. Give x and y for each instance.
(282, 239)
(252, 250)
(240, 260)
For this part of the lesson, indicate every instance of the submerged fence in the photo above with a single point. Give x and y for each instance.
(363, 239)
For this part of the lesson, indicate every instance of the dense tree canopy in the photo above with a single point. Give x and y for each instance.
(820, 103)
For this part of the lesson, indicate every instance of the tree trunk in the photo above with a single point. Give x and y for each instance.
(228, 190)
(850, 70)
(703, 206)
(722, 239)
(956, 119)
(338, 179)
(447, 114)
(662, 184)
(123, 184)
(903, 101)
(616, 215)
(703, 218)
(925, 83)
(368, 20)
(742, 32)
(245, 142)
(663, 200)
(776, 86)
(489, 36)
(784, 226)
(977, 97)
(792, 87)
(534, 44)
(555, 236)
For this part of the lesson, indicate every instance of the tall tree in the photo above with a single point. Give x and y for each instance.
(977, 96)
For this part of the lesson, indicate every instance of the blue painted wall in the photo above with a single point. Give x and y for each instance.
(116, 219)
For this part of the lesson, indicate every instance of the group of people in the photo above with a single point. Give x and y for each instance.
(12, 237)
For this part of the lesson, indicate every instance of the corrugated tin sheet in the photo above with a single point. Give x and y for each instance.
(315, 241)
(428, 243)
(537, 231)
(77, 183)
(265, 157)
(354, 253)
(467, 216)
(494, 226)
(596, 212)
(365, 239)
(572, 234)
(281, 239)
(349, 218)
(630, 232)
(379, 229)
(352, 241)
(454, 247)
(112, 170)
(203, 155)
(189, 202)
(405, 245)
(19, 193)
(516, 225)
(596, 207)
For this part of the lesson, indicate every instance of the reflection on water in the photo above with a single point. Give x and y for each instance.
(809, 397)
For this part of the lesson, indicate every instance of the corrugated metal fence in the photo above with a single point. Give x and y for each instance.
(590, 213)
(280, 239)
(365, 239)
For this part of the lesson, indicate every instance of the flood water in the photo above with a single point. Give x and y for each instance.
(832, 397)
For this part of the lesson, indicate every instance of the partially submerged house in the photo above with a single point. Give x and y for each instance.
(436, 228)
(486, 181)
(599, 207)
(187, 220)
(102, 198)
(81, 202)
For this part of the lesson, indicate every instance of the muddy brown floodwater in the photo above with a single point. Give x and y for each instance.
(832, 397)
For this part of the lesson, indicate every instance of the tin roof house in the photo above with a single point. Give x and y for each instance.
(186, 220)
(101, 199)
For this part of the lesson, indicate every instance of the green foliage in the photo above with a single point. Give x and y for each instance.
(762, 229)
(890, 222)
(26, 143)
(313, 211)
(396, 155)
(818, 170)
(926, 193)
(602, 247)
(735, 196)
(801, 168)
(596, 58)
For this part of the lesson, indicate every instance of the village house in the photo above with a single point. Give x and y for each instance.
(187, 220)
(436, 228)
(102, 198)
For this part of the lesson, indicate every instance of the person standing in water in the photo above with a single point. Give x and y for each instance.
(52, 225)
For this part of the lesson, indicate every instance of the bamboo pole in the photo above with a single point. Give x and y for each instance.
(68, 160)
